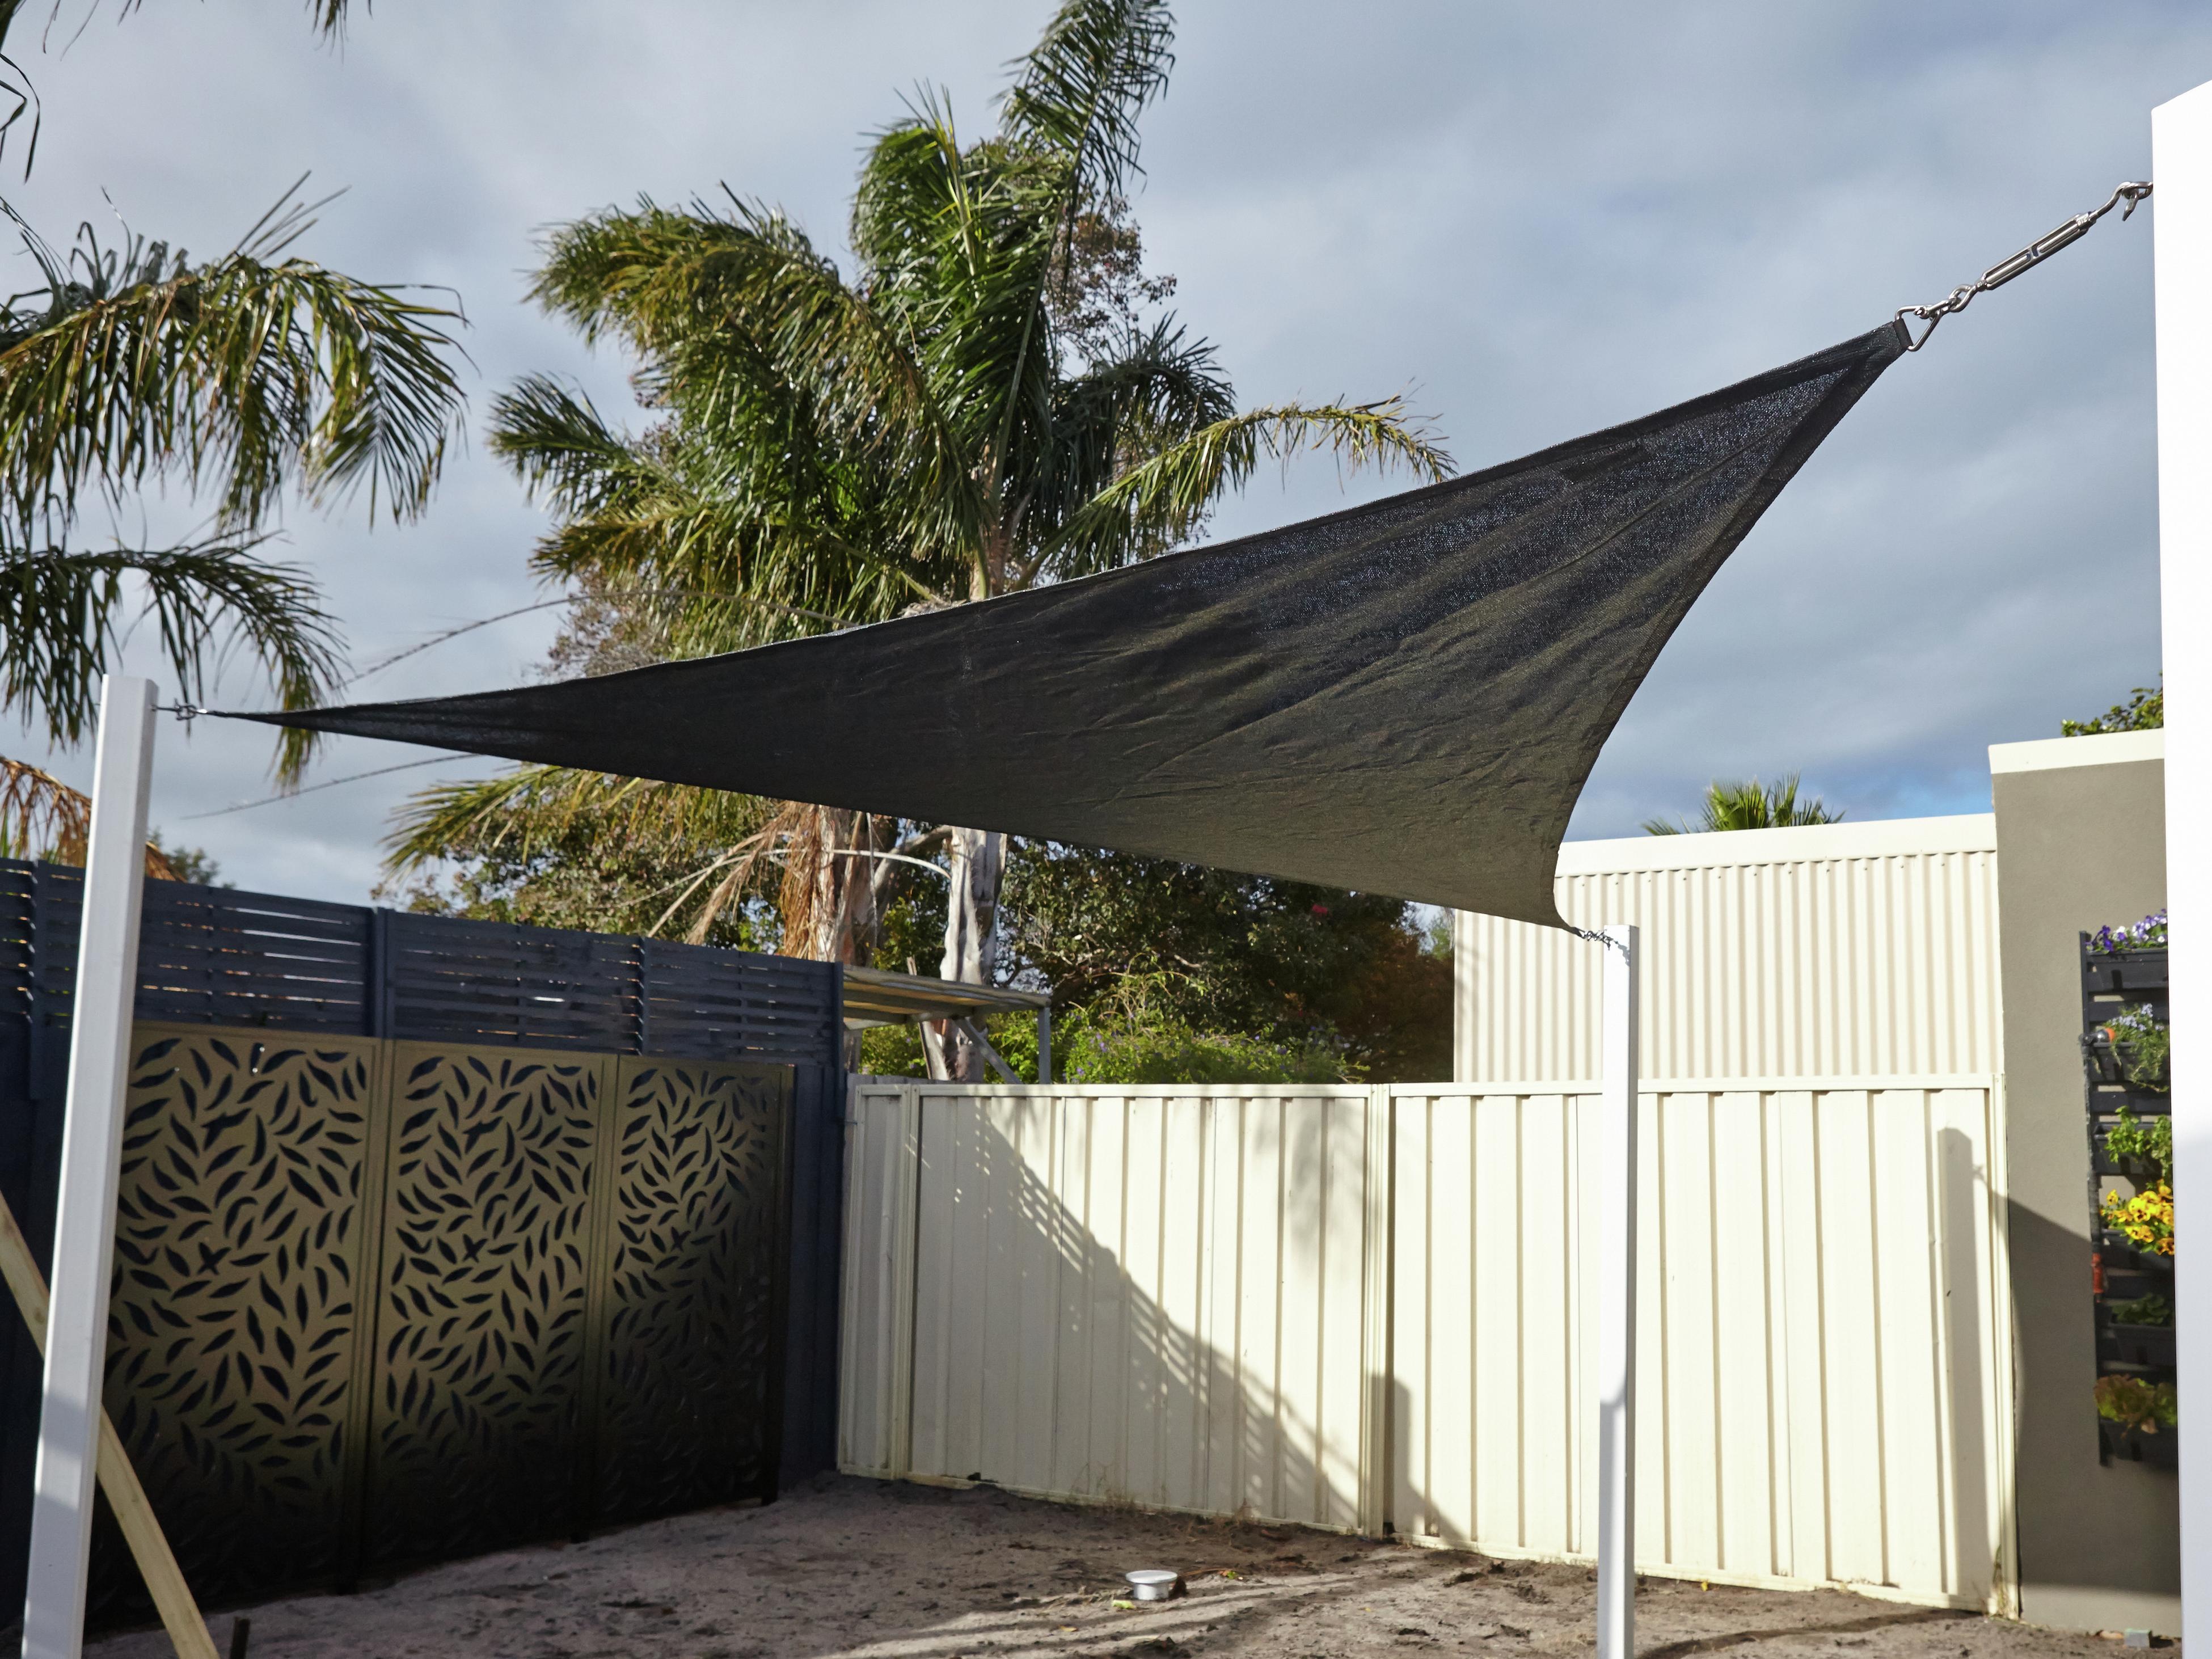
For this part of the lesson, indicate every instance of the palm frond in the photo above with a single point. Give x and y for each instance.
(240, 374)
(1078, 92)
(1749, 804)
(533, 807)
(62, 615)
(1163, 498)
(721, 848)
(737, 303)
(42, 817)
(1161, 388)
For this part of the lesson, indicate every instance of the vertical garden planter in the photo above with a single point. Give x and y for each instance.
(2128, 1283)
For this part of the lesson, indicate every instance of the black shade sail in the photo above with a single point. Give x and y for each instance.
(1404, 698)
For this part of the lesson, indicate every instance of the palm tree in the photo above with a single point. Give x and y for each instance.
(977, 409)
(1749, 805)
(241, 378)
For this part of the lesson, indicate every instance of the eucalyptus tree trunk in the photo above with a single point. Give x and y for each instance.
(978, 865)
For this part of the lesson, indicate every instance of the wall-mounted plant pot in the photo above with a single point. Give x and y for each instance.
(2161, 1450)
(2111, 1060)
(2148, 1346)
(2141, 1171)
(2122, 1256)
(2130, 972)
(2105, 1099)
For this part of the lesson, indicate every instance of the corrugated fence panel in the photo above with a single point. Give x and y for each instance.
(1141, 1295)
(1164, 1298)
(1817, 1344)
(1829, 950)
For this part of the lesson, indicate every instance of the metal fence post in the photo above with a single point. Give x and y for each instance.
(1616, 1327)
(92, 1140)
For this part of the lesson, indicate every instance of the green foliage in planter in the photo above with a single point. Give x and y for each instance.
(2142, 1047)
(2152, 1309)
(2137, 1406)
(2129, 1139)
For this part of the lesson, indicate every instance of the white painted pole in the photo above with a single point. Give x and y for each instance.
(2181, 157)
(92, 1148)
(1616, 1306)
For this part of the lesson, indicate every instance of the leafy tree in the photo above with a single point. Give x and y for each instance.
(241, 377)
(2143, 711)
(1748, 805)
(1156, 947)
(628, 859)
(979, 407)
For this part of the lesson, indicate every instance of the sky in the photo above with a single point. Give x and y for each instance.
(1535, 219)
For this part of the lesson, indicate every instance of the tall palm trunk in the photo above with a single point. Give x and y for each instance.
(829, 894)
(971, 933)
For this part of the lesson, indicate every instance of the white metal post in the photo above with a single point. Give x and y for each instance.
(1616, 1306)
(92, 1144)
(2181, 155)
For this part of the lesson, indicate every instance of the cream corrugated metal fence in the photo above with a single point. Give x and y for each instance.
(1359, 1308)
(1846, 950)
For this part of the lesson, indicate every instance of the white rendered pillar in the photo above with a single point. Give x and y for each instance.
(92, 1148)
(1616, 1304)
(2181, 158)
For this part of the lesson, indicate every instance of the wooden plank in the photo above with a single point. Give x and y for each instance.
(134, 1514)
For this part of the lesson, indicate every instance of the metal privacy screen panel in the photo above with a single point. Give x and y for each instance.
(1405, 698)
(382, 1303)
(234, 1329)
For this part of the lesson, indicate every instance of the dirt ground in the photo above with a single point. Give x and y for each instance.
(849, 1569)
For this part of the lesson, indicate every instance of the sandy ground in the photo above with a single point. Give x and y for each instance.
(846, 1568)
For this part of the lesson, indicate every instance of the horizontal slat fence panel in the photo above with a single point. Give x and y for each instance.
(489, 981)
(1271, 1302)
(215, 955)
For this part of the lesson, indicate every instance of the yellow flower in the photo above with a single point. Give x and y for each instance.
(2147, 1219)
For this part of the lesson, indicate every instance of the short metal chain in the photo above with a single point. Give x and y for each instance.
(2133, 193)
(1595, 936)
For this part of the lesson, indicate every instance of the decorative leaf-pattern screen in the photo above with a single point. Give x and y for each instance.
(233, 1328)
(573, 1274)
(692, 1324)
(481, 1303)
